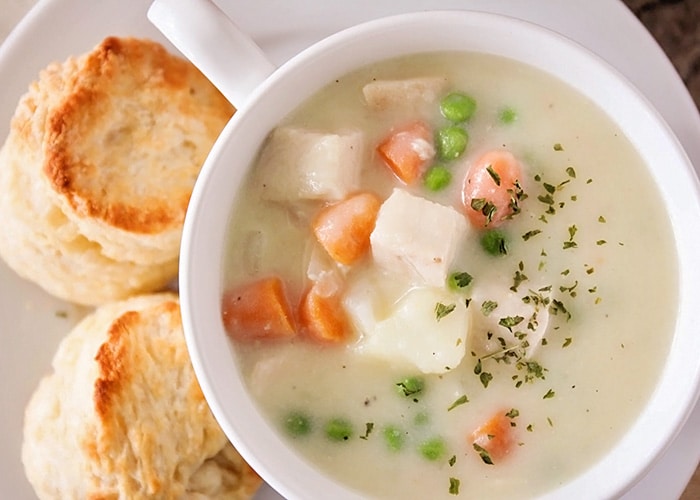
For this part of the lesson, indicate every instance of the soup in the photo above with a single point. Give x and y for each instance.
(450, 274)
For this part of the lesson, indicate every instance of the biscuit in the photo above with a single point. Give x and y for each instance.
(98, 168)
(122, 414)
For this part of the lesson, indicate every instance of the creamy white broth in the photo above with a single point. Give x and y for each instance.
(601, 364)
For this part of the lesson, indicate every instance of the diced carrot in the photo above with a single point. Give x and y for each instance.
(491, 190)
(407, 151)
(322, 317)
(343, 228)
(495, 438)
(258, 310)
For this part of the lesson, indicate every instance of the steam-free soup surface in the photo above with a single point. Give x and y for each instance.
(424, 351)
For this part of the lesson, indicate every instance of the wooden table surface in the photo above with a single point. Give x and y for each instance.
(674, 23)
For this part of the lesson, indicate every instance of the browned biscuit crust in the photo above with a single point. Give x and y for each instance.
(127, 110)
(101, 160)
(122, 414)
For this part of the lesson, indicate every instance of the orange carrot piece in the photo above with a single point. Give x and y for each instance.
(258, 310)
(343, 228)
(491, 190)
(495, 438)
(407, 151)
(322, 317)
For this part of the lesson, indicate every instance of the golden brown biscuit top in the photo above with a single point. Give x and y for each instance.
(126, 133)
(144, 387)
(123, 416)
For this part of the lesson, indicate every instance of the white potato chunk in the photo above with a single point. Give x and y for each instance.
(417, 237)
(298, 164)
(370, 297)
(508, 322)
(381, 95)
(427, 330)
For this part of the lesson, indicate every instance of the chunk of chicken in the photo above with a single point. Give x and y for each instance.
(302, 164)
(502, 320)
(417, 237)
(381, 95)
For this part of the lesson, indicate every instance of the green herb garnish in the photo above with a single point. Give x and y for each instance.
(530, 234)
(442, 310)
(518, 279)
(494, 175)
(459, 280)
(369, 427)
(485, 456)
(510, 321)
(488, 306)
(454, 486)
(458, 402)
(516, 196)
(487, 208)
(547, 199)
(557, 306)
(485, 378)
(533, 370)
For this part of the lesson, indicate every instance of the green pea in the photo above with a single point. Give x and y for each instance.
(297, 424)
(451, 142)
(494, 242)
(507, 115)
(437, 177)
(339, 429)
(421, 418)
(394, 437)
(457, 107)
(433, 448)
(410, 386)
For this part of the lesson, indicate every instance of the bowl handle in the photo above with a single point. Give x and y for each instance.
(205, 35)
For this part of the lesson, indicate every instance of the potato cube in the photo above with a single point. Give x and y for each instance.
(427, 330)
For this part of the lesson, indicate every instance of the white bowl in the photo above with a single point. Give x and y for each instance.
(204, 238)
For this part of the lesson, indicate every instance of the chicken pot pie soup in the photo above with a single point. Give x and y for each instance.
(450, 274)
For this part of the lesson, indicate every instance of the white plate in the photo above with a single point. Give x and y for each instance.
(32, 323)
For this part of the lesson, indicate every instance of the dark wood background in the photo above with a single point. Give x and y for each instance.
(676, 26)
